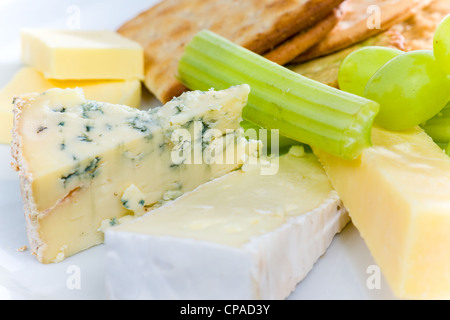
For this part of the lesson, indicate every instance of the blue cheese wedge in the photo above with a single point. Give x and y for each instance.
(84, 162)
(241, 236)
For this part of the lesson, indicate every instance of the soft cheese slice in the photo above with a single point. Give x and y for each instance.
(127, 92)
(81, 54)
(77, 157)
(397, 194)
(241, 236)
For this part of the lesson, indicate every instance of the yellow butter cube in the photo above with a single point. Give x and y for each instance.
(398, 196)
(78, 54)
(27, 80)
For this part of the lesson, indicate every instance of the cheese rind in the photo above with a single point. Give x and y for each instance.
(77, 157)
(241, 236)
(397, 194)
(79, 54)
(26, 80)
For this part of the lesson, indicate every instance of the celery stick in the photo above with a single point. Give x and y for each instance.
(302, 109)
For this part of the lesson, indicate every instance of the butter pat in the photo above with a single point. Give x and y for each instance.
(78, 54)
(26, 80)
(397, 195)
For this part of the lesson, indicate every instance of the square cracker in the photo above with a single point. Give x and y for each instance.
(301, 42)
(258, 25)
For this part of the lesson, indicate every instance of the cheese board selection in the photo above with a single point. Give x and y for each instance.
(141, 159)
(342, 273)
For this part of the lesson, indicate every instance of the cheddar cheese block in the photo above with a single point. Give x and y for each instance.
(77, 157)
(397, 195)
(80, 54)
(126, 92)
(241, 236)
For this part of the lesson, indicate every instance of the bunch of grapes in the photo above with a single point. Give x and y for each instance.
(412, 88)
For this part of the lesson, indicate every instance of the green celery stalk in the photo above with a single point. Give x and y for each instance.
(302, 109)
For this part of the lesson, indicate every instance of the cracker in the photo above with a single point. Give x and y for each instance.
(356, 25)
(419, 29)
(304, 40)
(260, 26)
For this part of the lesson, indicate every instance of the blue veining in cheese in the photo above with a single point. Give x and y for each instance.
(76, 158)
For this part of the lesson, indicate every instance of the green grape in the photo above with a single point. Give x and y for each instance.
(447, 149)
(438, 127)
(359, 66)
(442, 44)
(410, 89)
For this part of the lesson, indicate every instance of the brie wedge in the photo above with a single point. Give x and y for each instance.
(242, 236)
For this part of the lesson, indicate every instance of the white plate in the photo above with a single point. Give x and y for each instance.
(346, 271)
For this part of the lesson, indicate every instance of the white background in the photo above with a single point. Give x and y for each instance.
(342, 273)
